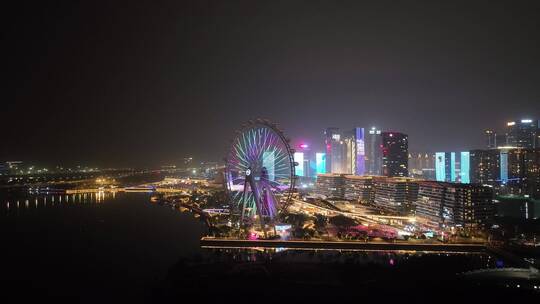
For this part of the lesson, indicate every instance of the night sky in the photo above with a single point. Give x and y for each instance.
(142, 84)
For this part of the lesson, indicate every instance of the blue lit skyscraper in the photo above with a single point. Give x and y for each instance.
(320, 161)
(452, 166)
(299, 158)
(440, 166)
(504, 166)
(447, 167)
(465, 167)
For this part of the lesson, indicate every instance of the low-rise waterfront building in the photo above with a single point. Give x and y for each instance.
(330, 185)
(395, 195)
(443, 204)
(359, 188)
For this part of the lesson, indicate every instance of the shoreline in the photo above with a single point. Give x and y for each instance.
(209, 242)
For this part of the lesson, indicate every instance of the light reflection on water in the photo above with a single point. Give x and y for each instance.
(348, 256)
(35, 201)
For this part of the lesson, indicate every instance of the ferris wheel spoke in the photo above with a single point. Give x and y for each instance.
(259, 145)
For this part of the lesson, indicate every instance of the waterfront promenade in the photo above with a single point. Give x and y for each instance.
(209, 242)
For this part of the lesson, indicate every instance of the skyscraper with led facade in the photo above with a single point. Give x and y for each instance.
(465, 167)
(360, 154)
(299, 160)
(451, 168)
(341, 151)
(320, 163)
(440, 166)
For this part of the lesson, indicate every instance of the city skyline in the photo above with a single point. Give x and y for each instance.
(189, 74)
(302, 143)
(157, 151)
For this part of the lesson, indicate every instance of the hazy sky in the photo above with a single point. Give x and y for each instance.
(150, 83)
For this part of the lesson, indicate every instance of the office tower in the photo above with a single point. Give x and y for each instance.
(523, 133)
(339, 151)
(348, 159)
(344, 151)
(440, 166)
(511, 171)
(307, 168)
(465, 167)
(373, 152)
(360, 152)
(299, 159)
(452, 167)
(395, 154)
(320, 163)
(484, 166)
(532, 173)
(331, 138)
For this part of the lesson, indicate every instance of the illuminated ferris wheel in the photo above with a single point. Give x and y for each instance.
(260, 172)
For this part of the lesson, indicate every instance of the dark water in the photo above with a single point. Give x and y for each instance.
(104, 248)
(92, 246)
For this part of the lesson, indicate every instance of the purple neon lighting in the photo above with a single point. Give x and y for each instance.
(249, 150)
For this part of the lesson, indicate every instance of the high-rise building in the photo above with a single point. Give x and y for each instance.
(345, 151)
(532, 173)
(348, 159)
(340, 150)
(395, 148)
(360, 152)
(523, 133)
(299, 159)
(484, 166)
(465, 167)
(373, 152)
(511, 171)
(331, 138)
(452, 167)
(320, 163)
